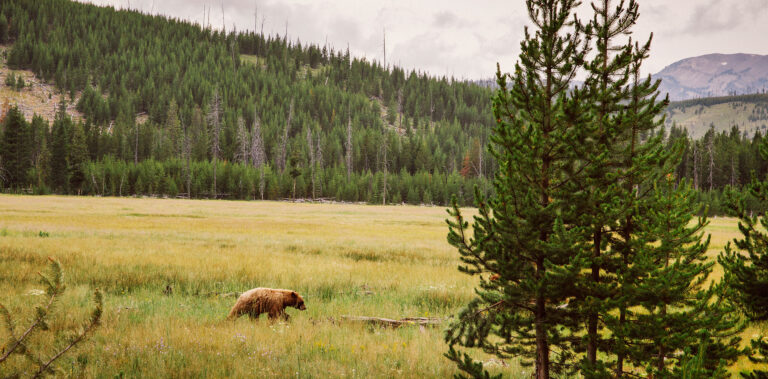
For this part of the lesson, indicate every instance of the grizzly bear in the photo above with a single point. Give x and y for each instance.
(266, 300)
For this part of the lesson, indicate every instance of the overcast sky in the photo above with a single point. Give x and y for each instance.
(465, 39)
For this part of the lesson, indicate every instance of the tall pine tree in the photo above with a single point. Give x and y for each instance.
(78, 157)
(62, 124)
(15, 148)
(525, 247)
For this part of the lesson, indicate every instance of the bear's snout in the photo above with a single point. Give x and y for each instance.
(301, 307)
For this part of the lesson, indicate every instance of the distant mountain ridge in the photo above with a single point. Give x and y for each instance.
(714, 75)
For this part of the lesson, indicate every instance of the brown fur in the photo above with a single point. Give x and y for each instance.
(266, 300)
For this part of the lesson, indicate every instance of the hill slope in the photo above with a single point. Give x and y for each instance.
(749, 113)
(714, 75)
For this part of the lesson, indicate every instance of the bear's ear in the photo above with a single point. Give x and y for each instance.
(294, 294)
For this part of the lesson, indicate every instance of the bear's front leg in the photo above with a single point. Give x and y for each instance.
(274, 315)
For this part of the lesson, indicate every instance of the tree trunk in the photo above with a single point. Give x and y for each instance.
(542, 345)
(592, 336)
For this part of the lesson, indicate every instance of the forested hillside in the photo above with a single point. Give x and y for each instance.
(280, 118)
(177, 109)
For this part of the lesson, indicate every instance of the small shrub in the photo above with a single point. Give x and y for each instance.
(42, 358)
(43, 234)
(10, 80)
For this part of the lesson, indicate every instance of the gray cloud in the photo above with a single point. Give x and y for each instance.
(715, 16)
(446, 19)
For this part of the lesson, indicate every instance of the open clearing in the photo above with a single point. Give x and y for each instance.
(362, 260)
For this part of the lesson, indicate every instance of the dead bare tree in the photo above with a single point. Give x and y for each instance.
(400, 108)
(214, 118)
(243, 144)
(223, 25)
(284, 141)
(258, 157)
(311, 148)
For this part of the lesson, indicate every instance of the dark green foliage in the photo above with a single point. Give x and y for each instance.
(78, 156)
(15, 149)
(760, 348)
(60, 150)
(678, 308)
(3, 29)
(746, 267)
(42, 358)
(587, 251)
(525, 234)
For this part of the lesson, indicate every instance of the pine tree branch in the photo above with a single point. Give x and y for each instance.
(38, 319)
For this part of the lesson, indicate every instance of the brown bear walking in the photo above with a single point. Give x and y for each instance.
(266, 300)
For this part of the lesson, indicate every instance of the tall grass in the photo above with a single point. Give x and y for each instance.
(362, 260)
(344, 260)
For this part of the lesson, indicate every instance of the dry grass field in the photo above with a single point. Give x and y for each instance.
(360, 260)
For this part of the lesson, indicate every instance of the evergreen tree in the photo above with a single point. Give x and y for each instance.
(199, 138)
(174, 132)
(3, 28)
(59, 177)
(677, 306)
(15, 152)
(78, 157)
(525, 245)
(746, 269)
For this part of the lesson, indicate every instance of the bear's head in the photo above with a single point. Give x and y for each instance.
(297, 301)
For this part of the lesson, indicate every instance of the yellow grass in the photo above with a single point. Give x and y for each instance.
(362, 260)
(331, 254)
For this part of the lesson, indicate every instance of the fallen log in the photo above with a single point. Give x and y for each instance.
(388, 322)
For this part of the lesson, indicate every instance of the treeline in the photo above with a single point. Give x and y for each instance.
(41, 159)
(145, 83)
(756, 98)
(718, 161)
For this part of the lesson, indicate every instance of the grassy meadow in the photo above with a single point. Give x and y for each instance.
(359, 260)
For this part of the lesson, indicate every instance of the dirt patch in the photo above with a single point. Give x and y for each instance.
(36, 97)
